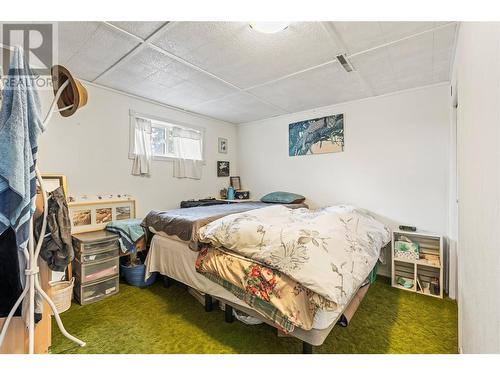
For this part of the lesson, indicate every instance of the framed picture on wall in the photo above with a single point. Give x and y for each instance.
(222, 169)
(316, 136)
(222, 146)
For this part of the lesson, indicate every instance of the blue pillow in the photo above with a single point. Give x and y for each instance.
(282, 197)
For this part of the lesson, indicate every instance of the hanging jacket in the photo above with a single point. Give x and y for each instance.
(57, 248)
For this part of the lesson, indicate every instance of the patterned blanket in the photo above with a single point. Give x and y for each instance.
(329, 251)
(273, 294)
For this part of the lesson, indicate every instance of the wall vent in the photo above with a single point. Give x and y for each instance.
(346, 64)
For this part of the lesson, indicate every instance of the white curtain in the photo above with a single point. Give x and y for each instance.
(142, 147)
(188, 145)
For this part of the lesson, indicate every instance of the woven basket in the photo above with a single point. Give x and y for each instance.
(62, 293)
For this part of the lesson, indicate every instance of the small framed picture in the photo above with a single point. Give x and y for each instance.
(222, 169)
(52, 181)
(222, 146)
(235, 182)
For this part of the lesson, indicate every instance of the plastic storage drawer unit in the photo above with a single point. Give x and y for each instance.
(91, 246)
(96, 291)
(93, 271)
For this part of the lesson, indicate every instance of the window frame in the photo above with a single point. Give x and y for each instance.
(133, 115)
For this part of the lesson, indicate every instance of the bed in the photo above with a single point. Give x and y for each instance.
(171, 254)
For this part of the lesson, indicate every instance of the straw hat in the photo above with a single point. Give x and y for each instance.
(74, 94)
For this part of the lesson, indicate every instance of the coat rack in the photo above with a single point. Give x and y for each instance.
(32, 283)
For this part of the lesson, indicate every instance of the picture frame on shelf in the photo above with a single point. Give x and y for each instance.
(51, 181)
(235, 182)
(95, 215)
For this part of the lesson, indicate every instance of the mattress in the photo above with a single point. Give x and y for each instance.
(173, 258)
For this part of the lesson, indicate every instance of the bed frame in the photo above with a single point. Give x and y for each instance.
(309, 339)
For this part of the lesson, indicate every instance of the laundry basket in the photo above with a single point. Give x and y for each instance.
(62, 292)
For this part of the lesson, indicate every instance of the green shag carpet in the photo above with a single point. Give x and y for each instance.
(159, 320)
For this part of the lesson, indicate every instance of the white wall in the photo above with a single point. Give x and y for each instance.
(91, 149)
(395, 161)
(477, 82)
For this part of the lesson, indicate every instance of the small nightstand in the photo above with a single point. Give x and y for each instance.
(424, 272)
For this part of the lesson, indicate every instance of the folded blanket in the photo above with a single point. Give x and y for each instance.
(186, 222)
(329, 251)
(130, 232)
(270, 292)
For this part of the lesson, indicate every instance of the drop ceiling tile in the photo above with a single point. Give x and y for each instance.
(376, 68)
(238, 108)
(154, 75)
(93, 49)
(359, 36)
(326, 85)
(444, 43)
(135, 69)
(245, 57)
(412, 61)
(72, 36)
(140, 29)
(423, 59)
(195, 90)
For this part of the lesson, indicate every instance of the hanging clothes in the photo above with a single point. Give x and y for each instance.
(57, 248)
(20, 126)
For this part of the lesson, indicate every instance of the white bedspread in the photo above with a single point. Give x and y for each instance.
(330, 251)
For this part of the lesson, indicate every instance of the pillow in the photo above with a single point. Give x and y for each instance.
(282, 197)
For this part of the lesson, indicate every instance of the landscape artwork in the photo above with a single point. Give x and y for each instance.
(123, 213)
(103, 215)
(317, 136)
(81, 217)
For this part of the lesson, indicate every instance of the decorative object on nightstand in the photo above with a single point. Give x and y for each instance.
(223, 193)
(417, 262)
(230, 193)
(235, 182)
(242, 194)
(222, 169)
(96, 266)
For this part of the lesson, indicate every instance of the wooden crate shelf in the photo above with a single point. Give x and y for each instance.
(419, 271)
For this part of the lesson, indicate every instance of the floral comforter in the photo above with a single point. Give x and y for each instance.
(272, 293)
(329, 251)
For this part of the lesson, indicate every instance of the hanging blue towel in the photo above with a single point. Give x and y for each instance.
(20, 126)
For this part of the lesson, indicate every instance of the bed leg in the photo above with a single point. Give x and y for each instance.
(209, 306)
(228, 314)
(307, 348)
(167, 281)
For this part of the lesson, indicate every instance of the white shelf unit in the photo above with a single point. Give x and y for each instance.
(420, 270)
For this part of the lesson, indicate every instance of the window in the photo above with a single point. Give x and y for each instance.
(170, 140)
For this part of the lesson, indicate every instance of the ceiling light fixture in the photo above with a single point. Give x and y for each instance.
(269, 27)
